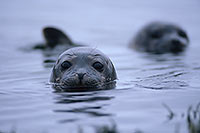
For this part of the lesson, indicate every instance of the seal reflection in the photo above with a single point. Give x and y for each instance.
(81, 103)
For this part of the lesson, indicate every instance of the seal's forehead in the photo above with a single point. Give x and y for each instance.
(163, 26)
(81, 51)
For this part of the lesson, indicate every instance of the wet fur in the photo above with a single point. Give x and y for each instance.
(82, 59)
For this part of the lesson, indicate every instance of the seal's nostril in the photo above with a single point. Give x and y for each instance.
(80, 75)
(175, 41)
(176, 46)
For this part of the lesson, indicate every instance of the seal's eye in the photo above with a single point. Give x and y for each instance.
(182, 34)
(66, 65)
(156, 34)
(98, 66)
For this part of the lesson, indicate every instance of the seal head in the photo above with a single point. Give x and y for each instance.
(160, 37)
(83, 69)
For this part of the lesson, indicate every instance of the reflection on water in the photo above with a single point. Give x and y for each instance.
(90, 97)
(80, 97)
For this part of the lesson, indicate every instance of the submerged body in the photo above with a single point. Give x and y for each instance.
(159, 38)
(83, 69)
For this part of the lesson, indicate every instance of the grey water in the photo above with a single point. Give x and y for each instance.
(153, 92)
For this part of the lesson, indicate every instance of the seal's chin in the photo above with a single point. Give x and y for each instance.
(78, 88)
(83, 88)
(75, 88)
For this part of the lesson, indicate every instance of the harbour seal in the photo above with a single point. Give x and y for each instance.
(83, 69)
(161, 37)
